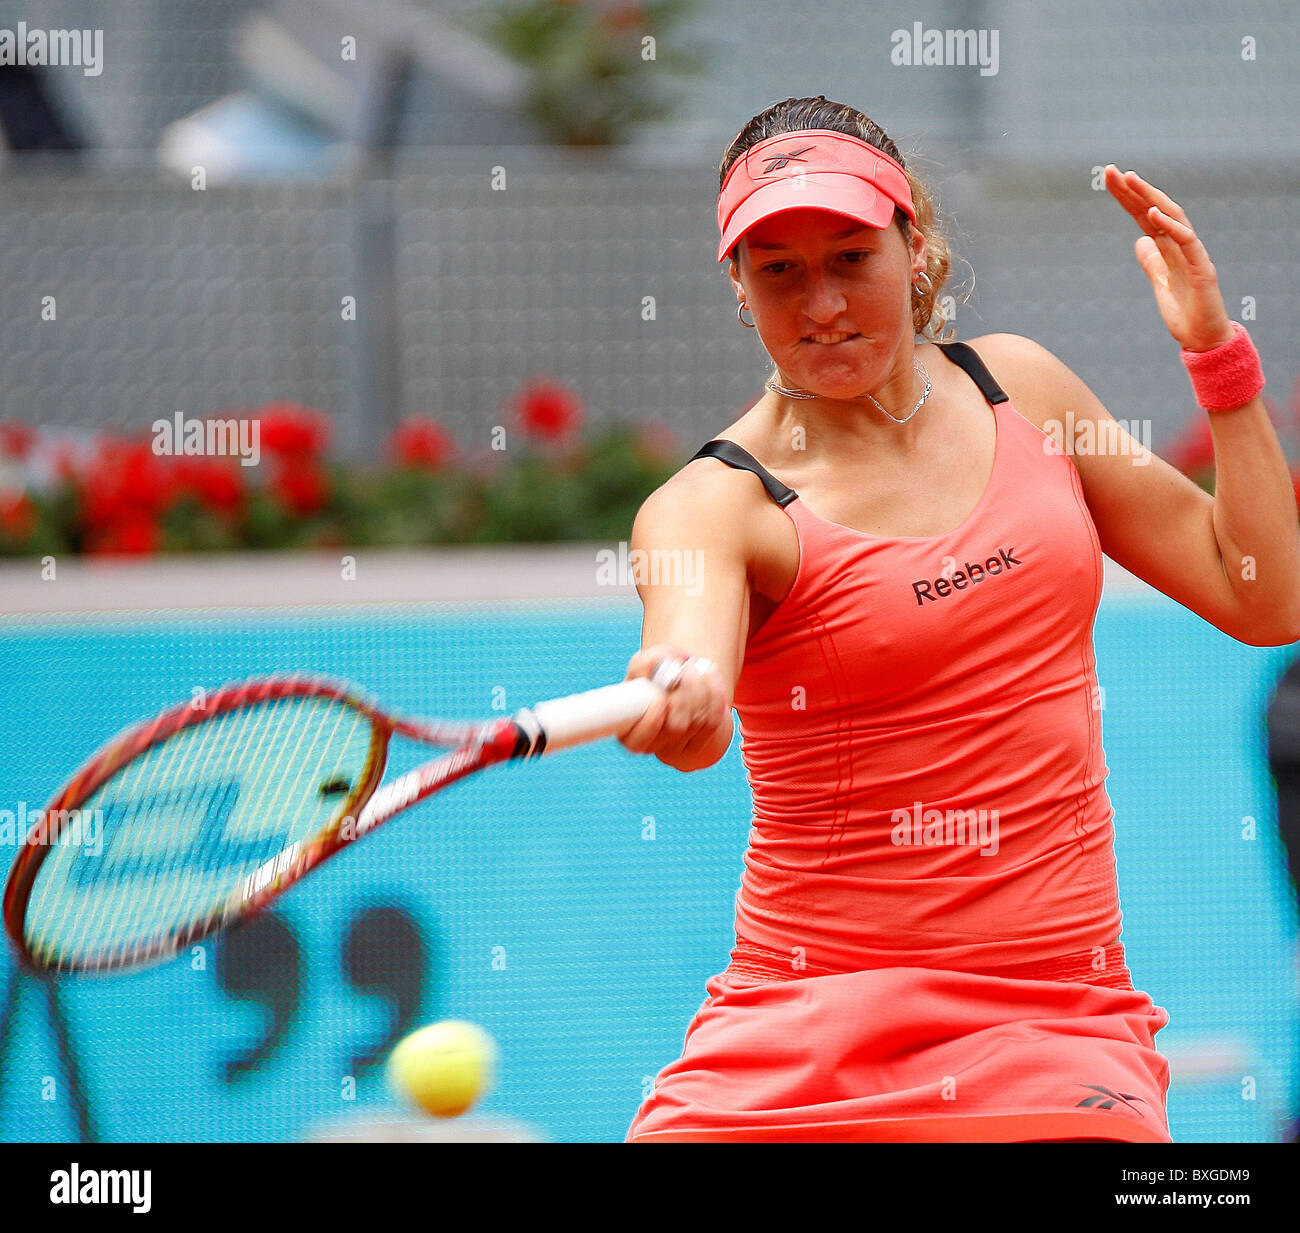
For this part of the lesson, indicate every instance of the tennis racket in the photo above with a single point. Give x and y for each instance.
(197, 819)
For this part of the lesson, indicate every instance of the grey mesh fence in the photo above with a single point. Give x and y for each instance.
(602, 276)
(599, 270)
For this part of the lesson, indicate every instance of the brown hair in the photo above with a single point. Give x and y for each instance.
(795, 114)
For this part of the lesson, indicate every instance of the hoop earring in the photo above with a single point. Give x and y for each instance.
(917, 288)
(740, 308)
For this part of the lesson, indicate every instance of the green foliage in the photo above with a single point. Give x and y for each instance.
(590, 78)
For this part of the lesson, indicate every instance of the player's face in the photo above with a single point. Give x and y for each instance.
(831, 299)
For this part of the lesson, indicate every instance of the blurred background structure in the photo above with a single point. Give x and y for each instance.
(373, 223)
(520, 256)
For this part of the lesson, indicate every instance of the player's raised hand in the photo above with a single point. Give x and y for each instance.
(1171, 255)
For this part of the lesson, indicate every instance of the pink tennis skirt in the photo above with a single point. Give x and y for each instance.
(1057, 1050)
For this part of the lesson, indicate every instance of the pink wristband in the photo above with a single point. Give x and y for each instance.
(1228, 376)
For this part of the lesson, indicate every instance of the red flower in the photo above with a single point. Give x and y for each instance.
(549, 410)
(302, 488)
(17, 514)
(291, 431)
(146, 479)
(216, 482)
(125, 476)
(135, 532)
(122, 492)
(421, 442)
(16, 439)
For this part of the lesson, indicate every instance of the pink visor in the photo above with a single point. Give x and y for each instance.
(816, 169)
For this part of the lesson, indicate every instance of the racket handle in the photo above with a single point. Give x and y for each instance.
(588, 716)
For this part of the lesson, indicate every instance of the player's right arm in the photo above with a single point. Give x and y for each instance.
(689, 547)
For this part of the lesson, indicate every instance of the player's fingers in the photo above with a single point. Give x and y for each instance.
(1185, 242)
(1139, 198)
(689, 708)
(643, 735)
(1155, 196)
(713, 714)
(694, 704)
(1151, 260)
(668, 715)
(691, 711)
(667, 724)
(1131, 196)
(693, 743)
(1137, 190)
(1133, 202)
(668, 665)
(1169, 225)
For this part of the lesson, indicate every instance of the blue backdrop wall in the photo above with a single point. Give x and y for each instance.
(540, 902)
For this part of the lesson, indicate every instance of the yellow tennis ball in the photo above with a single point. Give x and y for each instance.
(444, 1067)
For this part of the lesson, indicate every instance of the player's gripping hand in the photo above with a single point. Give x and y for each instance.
(690, 727)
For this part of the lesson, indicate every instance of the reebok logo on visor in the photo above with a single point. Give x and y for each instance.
(832, 171)
(778, 161)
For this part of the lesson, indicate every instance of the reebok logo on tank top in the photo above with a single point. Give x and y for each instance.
(935, 589)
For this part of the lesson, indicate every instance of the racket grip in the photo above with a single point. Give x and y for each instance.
(589, 716)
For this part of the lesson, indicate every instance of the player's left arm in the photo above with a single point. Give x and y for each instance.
(1232, 558)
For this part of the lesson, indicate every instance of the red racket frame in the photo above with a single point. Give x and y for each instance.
(478, 746)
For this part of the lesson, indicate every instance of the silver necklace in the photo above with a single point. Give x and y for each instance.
(917, 367)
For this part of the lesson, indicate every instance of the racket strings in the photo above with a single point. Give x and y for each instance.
(147, 899)
(169, 793)
(105, 915)
(231, 841)
(187, 821)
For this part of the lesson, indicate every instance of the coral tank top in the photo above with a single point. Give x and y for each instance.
(921, 731)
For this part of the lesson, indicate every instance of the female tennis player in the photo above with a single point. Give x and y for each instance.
(900, 563)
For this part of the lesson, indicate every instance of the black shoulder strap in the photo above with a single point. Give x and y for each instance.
(730, 453)
(961, 355)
